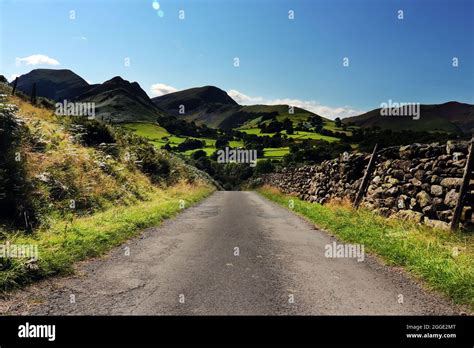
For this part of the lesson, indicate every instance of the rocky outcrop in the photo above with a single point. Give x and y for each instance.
(419, 182)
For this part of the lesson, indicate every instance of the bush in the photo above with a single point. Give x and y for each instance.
(190, 144)
(151, 164)
(198, 154)
(92, 132)
(15, 189)
(264, 167)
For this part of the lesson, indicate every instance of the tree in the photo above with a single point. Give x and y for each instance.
(198, 154)
(264, 167)
(222, 143)
(338, 122)
(190, 144)
(315, 120)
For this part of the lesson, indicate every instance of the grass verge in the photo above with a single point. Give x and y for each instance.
(71, 240)
(442, 259)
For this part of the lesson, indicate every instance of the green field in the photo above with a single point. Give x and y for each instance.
(330, 125)
(298, 135)
(296, 118)
(160, 137)
(275, 153)
(147, 130)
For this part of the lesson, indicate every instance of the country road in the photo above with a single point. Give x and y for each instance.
(189, 266)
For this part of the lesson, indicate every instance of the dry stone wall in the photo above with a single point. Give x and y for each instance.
(418, 182)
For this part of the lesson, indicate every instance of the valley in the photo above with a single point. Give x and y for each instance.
(194, 123)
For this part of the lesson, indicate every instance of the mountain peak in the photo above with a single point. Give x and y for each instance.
(214, 94)
(115, 80)
(194, 97)
(56, 84)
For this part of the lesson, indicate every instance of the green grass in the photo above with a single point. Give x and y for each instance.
(65, 243)
(277, 152)
(208, 150)
(424, 252)
(331, 125)
(300, 135)
(147, 130)
(255, 131)
(155, 133)
(310, 135)
(236, 143)
(159, 137)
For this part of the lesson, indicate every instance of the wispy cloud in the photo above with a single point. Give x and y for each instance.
(36, 59)
(82, 38)
(244, 99)
(310, 105)
(159, 89)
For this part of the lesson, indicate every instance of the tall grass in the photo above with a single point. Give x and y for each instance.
(68, 241)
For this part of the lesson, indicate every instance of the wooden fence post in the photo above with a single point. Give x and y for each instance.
(14, 86)
(365, 180)
(33, 94)
(464, 186)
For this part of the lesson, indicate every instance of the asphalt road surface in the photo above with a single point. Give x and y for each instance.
(190, 266)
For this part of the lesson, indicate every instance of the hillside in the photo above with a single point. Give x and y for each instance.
(214, 107)
(453, 117)
(52, 84)
(257, 114)
(118, 100)
(77, 187)
(204, 105)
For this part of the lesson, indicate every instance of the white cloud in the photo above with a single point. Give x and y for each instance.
(13, 77)
(244, 99)
(37, 59)
(159, 89)
(81, 38)
(310, 105)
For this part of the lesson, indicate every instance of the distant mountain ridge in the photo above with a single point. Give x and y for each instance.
(52, 84)
(118, 100)
(214, 107)
(451, 117)
(205, 105)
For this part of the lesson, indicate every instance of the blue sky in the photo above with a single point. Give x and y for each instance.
(297, 61)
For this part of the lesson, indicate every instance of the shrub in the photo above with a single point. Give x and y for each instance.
(92, 132)
(198, 154)
(15, 189)
(264, 167)
(190, 144)
(150, 163)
